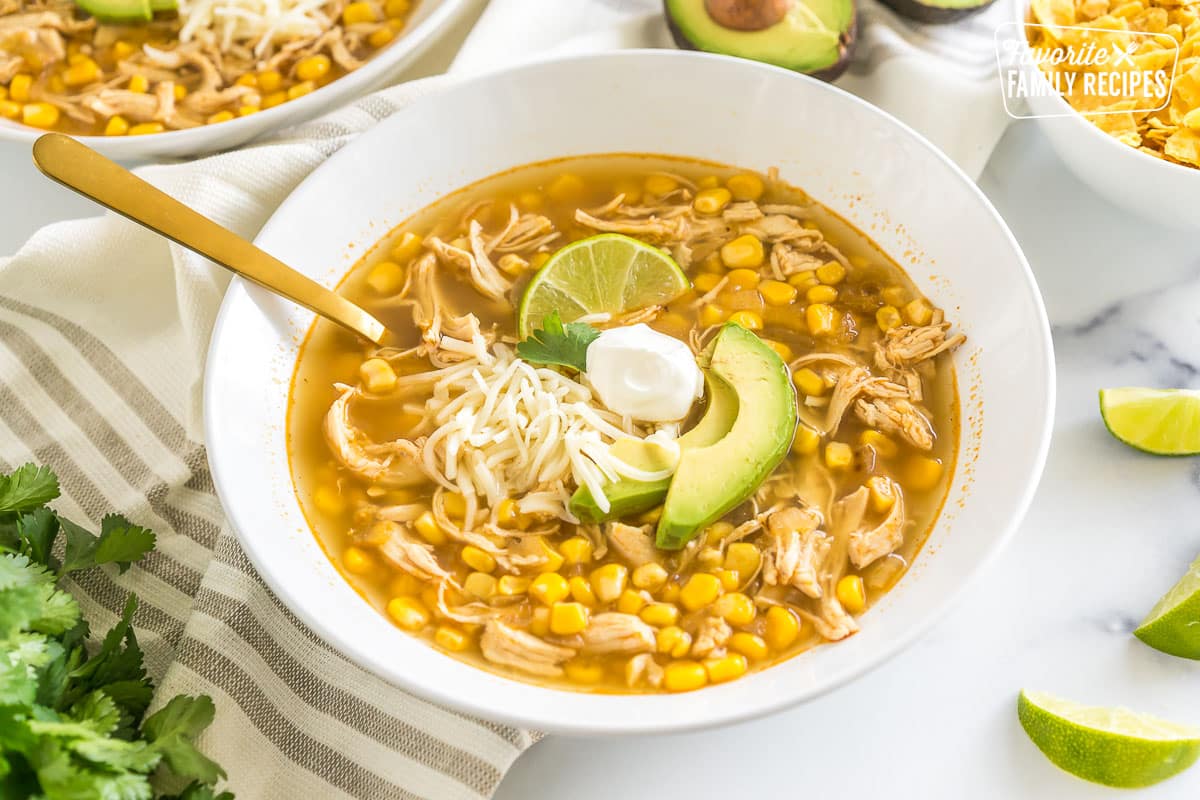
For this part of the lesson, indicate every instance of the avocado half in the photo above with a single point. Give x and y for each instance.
(937, 11)
(816, 37)
(126, 11)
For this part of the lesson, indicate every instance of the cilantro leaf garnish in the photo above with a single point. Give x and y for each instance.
(558, 344)
(122, 542)
(27, 488)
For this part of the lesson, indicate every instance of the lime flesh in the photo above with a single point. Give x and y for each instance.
(1173, 625)
(1159, 421)
(1111, 746)
(609, 273)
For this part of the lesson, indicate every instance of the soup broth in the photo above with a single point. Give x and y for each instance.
(518, 586)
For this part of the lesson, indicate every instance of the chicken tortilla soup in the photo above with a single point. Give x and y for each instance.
(646, 425)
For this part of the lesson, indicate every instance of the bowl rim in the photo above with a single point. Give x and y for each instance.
(444, 695)
(1165, 168)
(411, 43)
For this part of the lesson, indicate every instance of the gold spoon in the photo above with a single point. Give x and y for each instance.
(78, 167)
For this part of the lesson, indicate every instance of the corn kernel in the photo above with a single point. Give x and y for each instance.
(565, 188)
(783, 628)
(725, 668)
(480, 584)
(684, 676)
(820, 318)
(576, 550)
(568, 618)
(386, 277)
(539, 622)
(452, 639)
(712, 315)
(736, 608)
(894, 296)
(539, 260)
(673, 641)
(395, 9)
(581, 591)
(777, 293)
(609, 581)
(300, 89)
(39, 115)
(139, 83)
(649, 576)
(81, 74)
(554, 559)
(408, 612)
(922, 473)
(247, 110)
(708, 182)
(744, 251)
(144, 128)
(10, 109)
(888, 317)
(709, 557)
(706, 281)
(821, 294)
(918, 312)
(122, 49)
(274, 99)
(749, 320)
(745, 187)
(851, 593)
(247, 79)
(313, 68)
(478, 559)
(742, 558)
(806, 441)
(740, 279)
(19, 87)
(832, 273)
(751, 646)
(660, 615)
(428, 528)
(377, 375)
(839, 455)
(3, 92)
(357, 561)
(631, 602)
(507, 513)
(660, 184)
(883, 446)
(269, 80)
(381, 37)
(512, 585)
(179, 90)
(805, 279)
(116, 126)
(700, 590)
(712, 201)
(220, 116)
(584, 671)
(670, 592)
(882, 493)
(358, 12)
(809, 382)
(781, 349)
(455, 505)
(328, 500)
(549, 588)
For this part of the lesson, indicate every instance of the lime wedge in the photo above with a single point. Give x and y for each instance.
(1173, 625)
(1165, 422)
(1111, 746)
(606, 273)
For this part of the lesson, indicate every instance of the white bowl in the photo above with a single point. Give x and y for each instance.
(1148, 187)
(429, 19)
(857, 160)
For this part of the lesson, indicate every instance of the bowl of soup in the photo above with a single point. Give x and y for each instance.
(683, 417)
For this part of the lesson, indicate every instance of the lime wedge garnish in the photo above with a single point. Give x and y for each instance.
(1173, 625)
(1111, 746)
(1165, 422)
(606, 273)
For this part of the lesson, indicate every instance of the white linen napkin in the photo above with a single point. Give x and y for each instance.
(103, 334)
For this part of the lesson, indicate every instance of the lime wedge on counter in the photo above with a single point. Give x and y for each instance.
(1111, 746)
(1165, 422)
(606, 273)
(1173, 625)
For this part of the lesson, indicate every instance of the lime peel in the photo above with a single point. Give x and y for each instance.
(1173, 625)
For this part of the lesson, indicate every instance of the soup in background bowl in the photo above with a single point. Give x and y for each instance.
(868, 170)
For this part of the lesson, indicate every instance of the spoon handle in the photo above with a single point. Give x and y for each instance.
(78, 167)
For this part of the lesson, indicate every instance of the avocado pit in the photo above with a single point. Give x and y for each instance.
(747, 15)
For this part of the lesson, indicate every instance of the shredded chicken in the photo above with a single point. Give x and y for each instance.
(852, 383)
(395, 463)
(405, 553)
(795, 551)
(868, 545)
(613, 632)
(510, 647)
(898, 416)
(484, 276)
(634, 545)
(711, 636)
(907, 346)
(643, 669)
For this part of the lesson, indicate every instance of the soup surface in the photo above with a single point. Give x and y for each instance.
(510, 510)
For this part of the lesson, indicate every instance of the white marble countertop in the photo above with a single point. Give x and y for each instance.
(1109, 532)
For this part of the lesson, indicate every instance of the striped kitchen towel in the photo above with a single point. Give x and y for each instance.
(103, 334)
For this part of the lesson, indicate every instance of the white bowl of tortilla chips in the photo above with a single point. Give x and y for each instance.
(1142, 159)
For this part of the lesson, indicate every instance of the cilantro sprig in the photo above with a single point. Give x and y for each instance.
(558, 344)
(73, 724)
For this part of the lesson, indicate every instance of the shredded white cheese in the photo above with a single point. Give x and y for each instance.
(259, 21)
(505, 428)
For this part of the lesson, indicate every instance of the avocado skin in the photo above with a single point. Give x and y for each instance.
(934, 15)
(849, 41)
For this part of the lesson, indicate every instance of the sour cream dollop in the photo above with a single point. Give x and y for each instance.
(644, 374)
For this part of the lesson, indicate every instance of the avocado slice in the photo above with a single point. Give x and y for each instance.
(816, 37)
(711, 481)
(627, 496)
(118, 10)
(937, 11)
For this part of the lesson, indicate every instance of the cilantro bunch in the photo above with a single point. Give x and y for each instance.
(73, 724)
